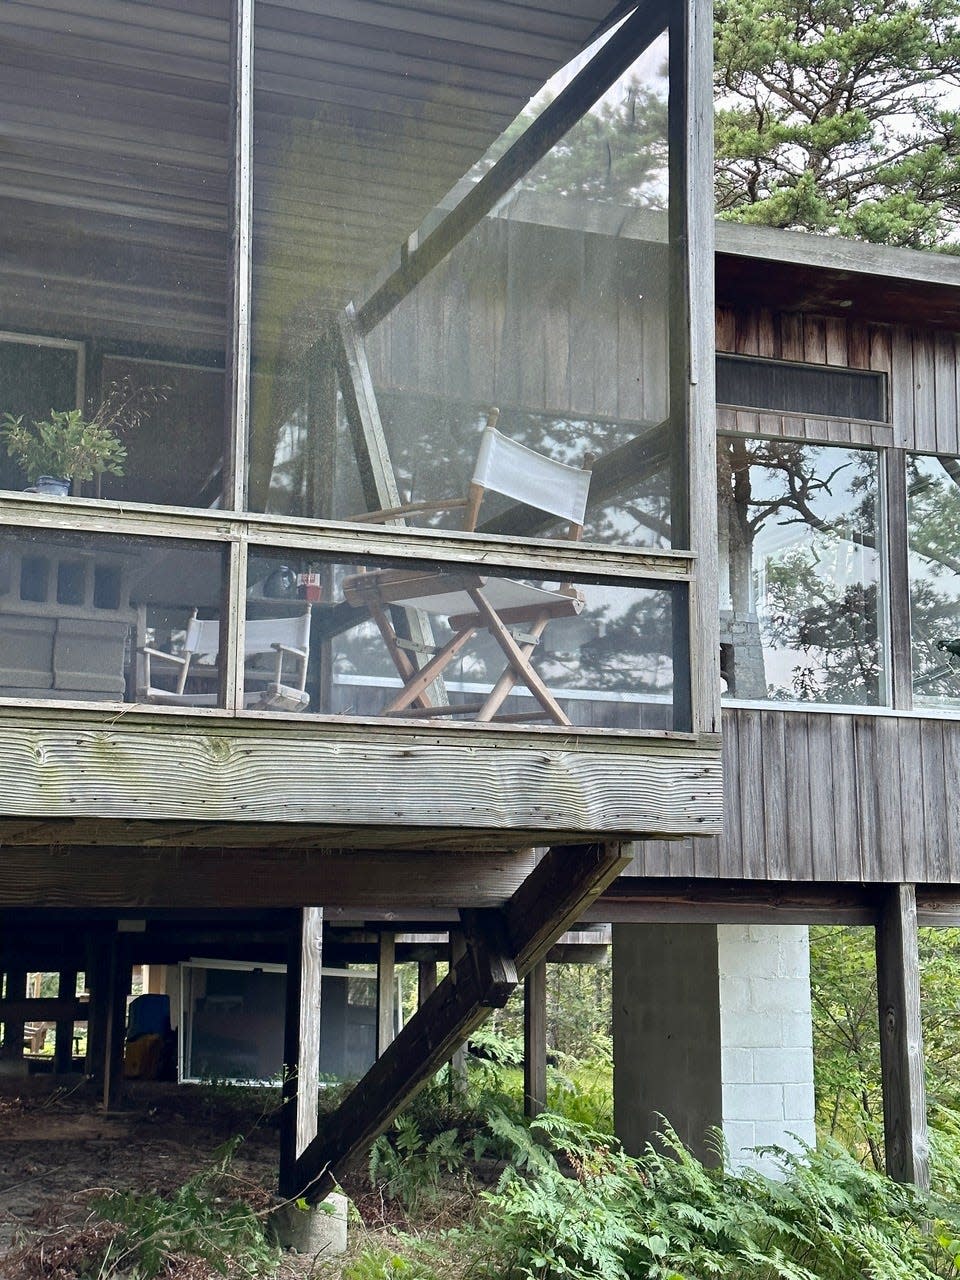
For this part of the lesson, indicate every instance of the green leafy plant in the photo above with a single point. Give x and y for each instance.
(573, 1206)
(379, 1263)
(64, 445)
(408, 1168)
(71, 446)
(199, 1220)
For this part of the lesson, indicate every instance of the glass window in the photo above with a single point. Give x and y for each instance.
(553, 310)
(113, 238)
(431, 642)
(231, 1021)
(800, 572)
(933, 538)
(106, 619)
(801, 388)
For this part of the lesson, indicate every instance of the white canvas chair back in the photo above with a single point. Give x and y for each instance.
(203, 639)
(519, 473)
(260, 635)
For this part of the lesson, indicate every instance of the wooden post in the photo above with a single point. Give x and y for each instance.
(98, 981)
(535, 1040)
(426, 980)
(504, 946)
(901, 1038)
(378, 478)
(692, 408)
(458, 1062)
(12, 1047)
(63, 1044)
(301, 1042)
(240, 269)
(386, 990)
(118, 973)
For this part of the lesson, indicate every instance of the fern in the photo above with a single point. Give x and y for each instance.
(408, 1169)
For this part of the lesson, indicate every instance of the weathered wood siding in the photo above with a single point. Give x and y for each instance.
(923, 368)
(814, 795)
(551, 319)
(342, 775)
(538, 318)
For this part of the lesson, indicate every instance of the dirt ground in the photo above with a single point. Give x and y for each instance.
(59, 1151)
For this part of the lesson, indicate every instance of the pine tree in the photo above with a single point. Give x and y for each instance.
(839, 116)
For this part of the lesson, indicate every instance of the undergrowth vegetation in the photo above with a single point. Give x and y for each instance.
(214, 1224)
(463, 1187)
(571, 1205)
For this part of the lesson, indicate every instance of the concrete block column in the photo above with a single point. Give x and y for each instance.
(712, 1027)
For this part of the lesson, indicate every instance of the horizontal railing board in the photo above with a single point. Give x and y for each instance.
(345, 777)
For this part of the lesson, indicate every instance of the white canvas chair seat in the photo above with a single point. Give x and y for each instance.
(275, 665)
(515, 614)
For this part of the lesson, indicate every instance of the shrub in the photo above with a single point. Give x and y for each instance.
(409, 1168)
(574, 1206)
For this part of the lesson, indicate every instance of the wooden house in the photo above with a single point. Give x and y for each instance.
(286, 250)
(232, 699)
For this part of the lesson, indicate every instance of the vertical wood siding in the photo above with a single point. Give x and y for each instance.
(922, 367)
(827, 796)
(545, 318)
(537, 318)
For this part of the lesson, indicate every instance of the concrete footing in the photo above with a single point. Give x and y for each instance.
(320, 1229)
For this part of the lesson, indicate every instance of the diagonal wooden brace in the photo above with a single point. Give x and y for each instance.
(502, 947)
(489, 948)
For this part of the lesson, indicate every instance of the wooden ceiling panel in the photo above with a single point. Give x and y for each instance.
(114, 123)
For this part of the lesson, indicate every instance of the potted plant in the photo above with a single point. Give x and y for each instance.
(69, 448)
(64, 449)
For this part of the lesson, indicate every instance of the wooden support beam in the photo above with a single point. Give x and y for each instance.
(276, 878)
(901, 1038)
(378, 477)
(239, 263)
(535, 1040)
(16, 992)
(301, 1040)
(386, 989)
(44, 1009)
(426, 980)
(97, 969)
(63, 1042)
(118, 988)
(549, 901)
(457, 1079)
(613, 58)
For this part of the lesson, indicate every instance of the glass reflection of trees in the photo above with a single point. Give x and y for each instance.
(800, 572)
(619, 649)
(433, 447)
(933, 540)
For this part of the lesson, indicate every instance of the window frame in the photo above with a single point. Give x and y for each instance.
(691, 399)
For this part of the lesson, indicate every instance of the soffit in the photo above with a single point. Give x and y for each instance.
(114, 124)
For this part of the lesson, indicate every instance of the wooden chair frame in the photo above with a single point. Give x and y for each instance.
(285, 639)
(533, 608)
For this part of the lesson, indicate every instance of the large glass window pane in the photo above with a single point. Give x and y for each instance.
(800, 572)
(553, 310)
(355, 639)
(933, 535)
(105, 618)
(231, 1021)
(113, 244)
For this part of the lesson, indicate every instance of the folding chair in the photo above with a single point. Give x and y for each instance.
(280, 683)
(474, 602)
